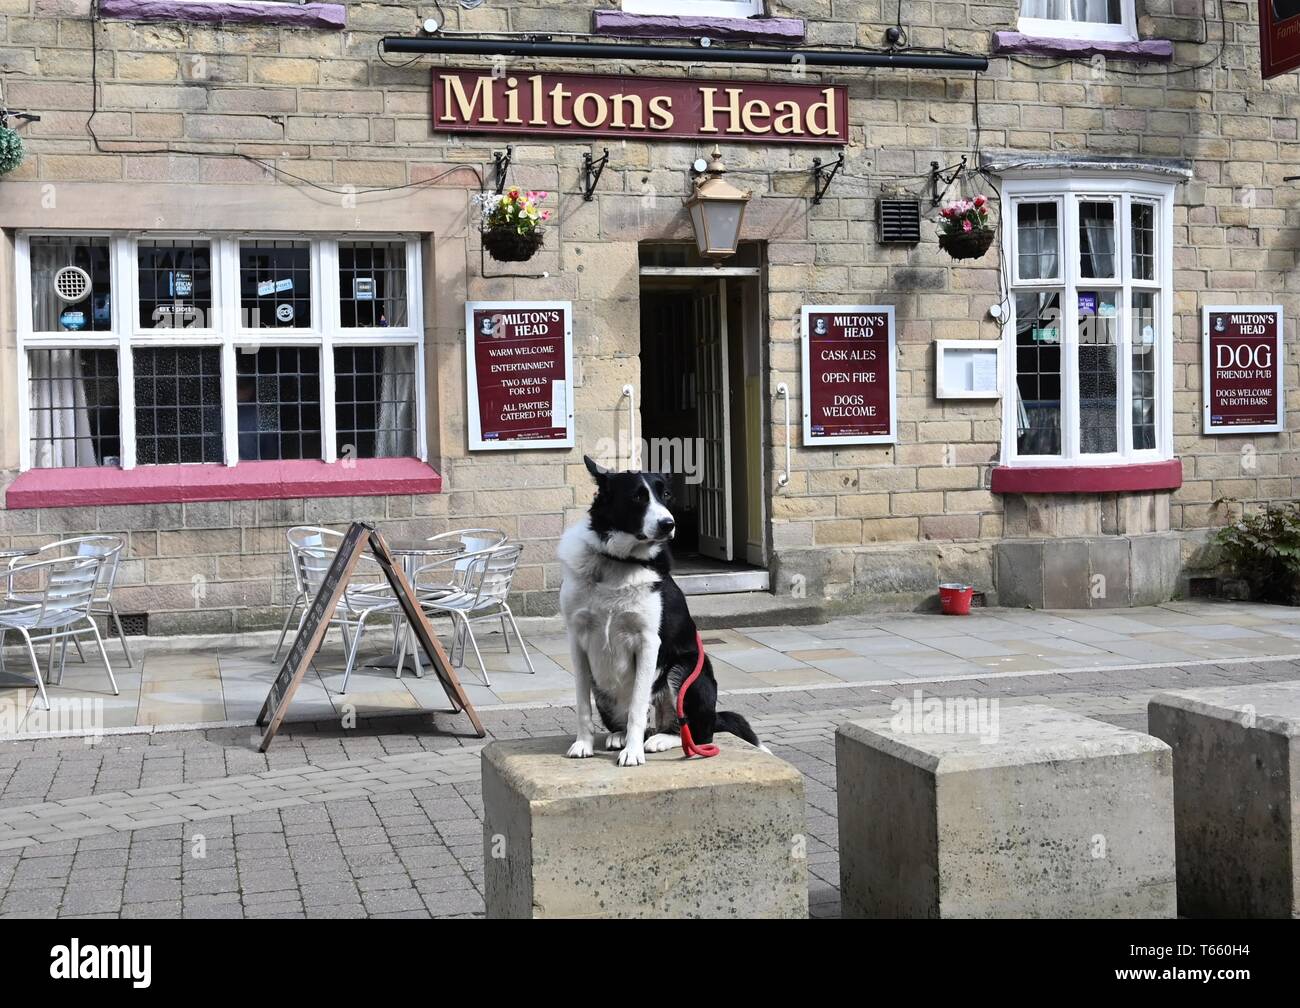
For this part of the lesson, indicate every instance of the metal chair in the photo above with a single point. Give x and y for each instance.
(68, 589)
(105, 547)
(303, 537)
(471, 588)
(357, 605)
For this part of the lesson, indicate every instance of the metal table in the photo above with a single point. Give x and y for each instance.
(13, 552)
(413, 553)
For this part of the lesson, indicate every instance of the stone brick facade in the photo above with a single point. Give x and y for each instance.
(179, 102)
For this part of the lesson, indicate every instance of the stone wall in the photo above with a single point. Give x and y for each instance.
(177, 100)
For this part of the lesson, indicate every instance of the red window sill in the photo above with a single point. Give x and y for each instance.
(1088, 479)
(51, 488)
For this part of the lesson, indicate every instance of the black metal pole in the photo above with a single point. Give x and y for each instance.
(526, 48)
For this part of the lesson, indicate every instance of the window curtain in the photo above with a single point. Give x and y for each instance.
(394, 439)
(1094, 11)
(60, 433)
(1037, 249)
(1096, 243)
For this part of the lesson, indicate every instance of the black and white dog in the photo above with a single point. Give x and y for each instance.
(630, 633)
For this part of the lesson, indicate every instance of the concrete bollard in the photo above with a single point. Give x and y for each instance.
(1236, 797)
(1049, 814)
(720, 837)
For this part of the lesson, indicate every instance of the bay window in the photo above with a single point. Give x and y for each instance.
(1088, 329)
(162, 349)
(695, 8)
(1098, 20)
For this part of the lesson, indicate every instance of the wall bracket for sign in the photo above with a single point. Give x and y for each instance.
(501, 167)
(822, 176)
(937, 175)
(591, 172)
(316, 621)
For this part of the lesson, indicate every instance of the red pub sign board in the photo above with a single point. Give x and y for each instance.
(848, 374)
(519, 374)
(1241, 369)
(479, 101)
(1279, 37)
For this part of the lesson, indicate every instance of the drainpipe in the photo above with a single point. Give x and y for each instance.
(533, 47)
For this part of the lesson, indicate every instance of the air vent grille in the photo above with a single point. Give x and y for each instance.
(900, 221)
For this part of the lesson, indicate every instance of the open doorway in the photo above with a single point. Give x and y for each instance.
(702, 411)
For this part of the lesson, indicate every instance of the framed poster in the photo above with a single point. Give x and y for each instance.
(1242, 389)
(1279, 37)
(519, 374)
(848, 374)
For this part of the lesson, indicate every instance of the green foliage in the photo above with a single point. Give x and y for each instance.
(11, 150)
(1263, 549)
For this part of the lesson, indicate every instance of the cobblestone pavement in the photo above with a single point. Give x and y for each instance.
(384, 819)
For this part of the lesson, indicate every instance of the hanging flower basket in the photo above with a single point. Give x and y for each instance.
(505, 244)
(11, 150)
(965, 231)
(966, 246)
(511, 224)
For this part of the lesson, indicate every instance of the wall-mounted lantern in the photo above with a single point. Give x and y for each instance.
(717, 210)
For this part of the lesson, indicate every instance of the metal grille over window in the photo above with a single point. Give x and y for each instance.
(1143, 222)
(1038, 239)
(1098, 378)
(278, 391)
(177, 405)
(275, 284)
(374, 393)
(73, 397)
(372, 285)
(1038, 374)
(1145, 328)
(81, 308)
(175, 284)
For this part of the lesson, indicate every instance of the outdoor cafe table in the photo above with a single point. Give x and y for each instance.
(13, 552)
(413, 553)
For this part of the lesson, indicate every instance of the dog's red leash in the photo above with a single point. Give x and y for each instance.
(688, 744)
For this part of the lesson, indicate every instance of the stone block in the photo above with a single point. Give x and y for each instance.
(1019, 566)
(1236, 797)
(1020, 811)
(720, 837)
(1065, 574)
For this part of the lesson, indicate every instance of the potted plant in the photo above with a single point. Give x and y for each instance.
(512, 223)
(11, 150)
(965, 231)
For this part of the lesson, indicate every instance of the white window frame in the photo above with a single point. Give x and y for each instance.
(225, 331)
(1055, 28)
(696, 8)
(1067, 192)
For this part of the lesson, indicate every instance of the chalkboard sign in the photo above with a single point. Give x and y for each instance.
(317, 620)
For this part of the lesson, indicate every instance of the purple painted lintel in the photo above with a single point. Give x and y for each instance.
(1151, 50)
(307, 15)
(612, 22)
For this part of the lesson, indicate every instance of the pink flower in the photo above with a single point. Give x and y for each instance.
(966, 226)
(980, 201)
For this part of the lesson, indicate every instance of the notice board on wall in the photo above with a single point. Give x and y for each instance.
(1279, 37)
(849, 375)
(519, 374)
(1242, 390)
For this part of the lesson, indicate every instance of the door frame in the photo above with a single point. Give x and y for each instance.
(757, 304)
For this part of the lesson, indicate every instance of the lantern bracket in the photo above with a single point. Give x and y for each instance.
(938, 175)
(592, 169)
(822, 175)
(501, 165)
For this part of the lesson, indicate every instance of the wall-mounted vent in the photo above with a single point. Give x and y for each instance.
(133, 625)
(900, 221)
